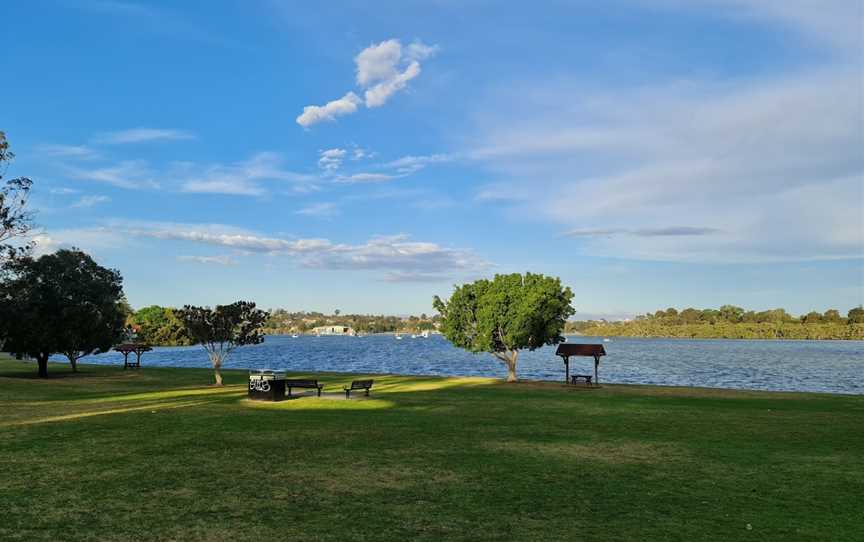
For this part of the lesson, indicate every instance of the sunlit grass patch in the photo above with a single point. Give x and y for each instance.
(337, 402)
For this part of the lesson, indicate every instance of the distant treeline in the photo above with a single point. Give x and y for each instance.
(731, 322)
(281, 321)
(160, 326)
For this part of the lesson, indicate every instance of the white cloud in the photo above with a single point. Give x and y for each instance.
(313, 114)
(90, 201)
(378, 62)
(378, 95)
(142, 135)
(331, 159)
(208, 260)
(383, 69)
(319, 210)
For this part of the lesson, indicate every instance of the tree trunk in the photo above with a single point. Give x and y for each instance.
(42, 360)
(217, 369)
(74, 362)
(511, 366)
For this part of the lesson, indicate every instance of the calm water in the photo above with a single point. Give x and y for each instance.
(826, 366)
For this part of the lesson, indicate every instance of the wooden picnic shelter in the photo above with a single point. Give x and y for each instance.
(129, 348)
(566, 350)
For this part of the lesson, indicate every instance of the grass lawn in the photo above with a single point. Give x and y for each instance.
(156, 454)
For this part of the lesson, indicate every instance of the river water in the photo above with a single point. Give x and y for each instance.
(822, 366)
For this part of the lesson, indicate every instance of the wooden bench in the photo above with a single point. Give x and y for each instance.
(574, 379)
(358, 385)
(298, 383)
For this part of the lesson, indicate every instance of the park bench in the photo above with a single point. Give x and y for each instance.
(566, 350)
(358, 385)
(574, 379)
(298, 383)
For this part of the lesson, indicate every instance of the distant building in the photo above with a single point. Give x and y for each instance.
(334, 330)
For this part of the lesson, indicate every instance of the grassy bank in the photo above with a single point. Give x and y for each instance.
(156, 455)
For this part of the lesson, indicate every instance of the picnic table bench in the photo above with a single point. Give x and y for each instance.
(574, 379)
(300, 383)
(358, 385)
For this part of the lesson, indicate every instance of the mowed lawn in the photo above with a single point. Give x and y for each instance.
(157, 454)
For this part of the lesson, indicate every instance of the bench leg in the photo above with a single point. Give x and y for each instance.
(289, 392)
(319, 391)
(347, 394)
(367, 392)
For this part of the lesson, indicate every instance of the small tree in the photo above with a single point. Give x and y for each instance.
(221, 330)
(15, 219)
(60, 303)
(505, 315)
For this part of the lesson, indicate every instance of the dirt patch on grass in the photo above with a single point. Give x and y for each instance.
(620, 453)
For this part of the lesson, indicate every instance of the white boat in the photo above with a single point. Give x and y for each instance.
(398, 337)
(607, 340)
(414, 336)
(425, 334)
(294, 336)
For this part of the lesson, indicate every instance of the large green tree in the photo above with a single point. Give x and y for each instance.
(15, 219)
(223, 329)
(60, 303)
(160, 325)
(505, 315)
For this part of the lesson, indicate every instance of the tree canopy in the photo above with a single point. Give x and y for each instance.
(15, 219)
(159, 325)
(60, 303)
(506, 314)
(223, 329)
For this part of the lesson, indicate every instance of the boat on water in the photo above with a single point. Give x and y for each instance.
(425, 334)
(607, 340)
(398, 337)
(294, 336)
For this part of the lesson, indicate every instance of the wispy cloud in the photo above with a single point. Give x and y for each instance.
(208, 260)
(671, 231)
(142, 135)
(80, 152)
(131, 174)
(326, 209)
(90, 201)
(410, 276)
(243, 178)
(365, 178)
(383, 69)
(394, 254)
(410, 164)
(62, 191)
(767, 169)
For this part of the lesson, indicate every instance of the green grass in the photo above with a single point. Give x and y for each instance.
(158, 455)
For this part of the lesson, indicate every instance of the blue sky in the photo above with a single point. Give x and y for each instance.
(366, 156)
